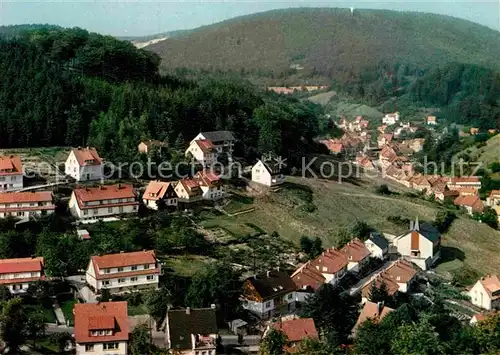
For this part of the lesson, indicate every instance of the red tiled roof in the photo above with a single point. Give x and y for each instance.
(355, 250)
(491, 284)
(207, 178)
(392, 286)
(124, 259)
(494, 194)
(298, 329)
(402, 269)
(192, 186)
(156, 190)
(10, 165)
(8, 266)
(431, 119)
(307, 276)
(388, 137)
(331, 259)
(104, 192)
(464, 179)
(25, 197)
(88, 316)
(372, 311)
(21, 280)
(87, 156)
(205, 145)
(472, 201)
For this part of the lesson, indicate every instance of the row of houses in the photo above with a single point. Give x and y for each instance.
(293, 89)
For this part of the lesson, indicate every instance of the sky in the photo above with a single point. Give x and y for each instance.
(145, 17)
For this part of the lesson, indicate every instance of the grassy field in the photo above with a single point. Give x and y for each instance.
(336, 205)
(187, 265)
(487, 154)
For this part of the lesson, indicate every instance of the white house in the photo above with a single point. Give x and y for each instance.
(188, 190)
(18, 274)
(203, 151)
(390, 118)
(431, 120)
(157, 191)
(222, 140)
(11, 173)
(377, 245)
(421, 244)
(486, 292)
(24, 205)
(101, 328)
(211, 185)
(264, 174)
(191, 331)
(103, 201)
(123, 272)
(269, 294)
(84, 164)
(357, 255)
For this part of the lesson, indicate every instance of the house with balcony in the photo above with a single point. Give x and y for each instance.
(307, 281)
(103, 201)
(123, 272)
(211, 185)
(265, 174)
(84, 164)
(269, 294)
(101, 328)
(421, 244)
(222, 140)
(11, 173)
(159, 193)
(18, 274)
(191, 331)
(26, 205)
(203, 152)
(188, 190)
(486, 293)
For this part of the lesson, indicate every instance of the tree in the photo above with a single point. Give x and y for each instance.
(12, 324)
(35, 324)
(5, 294)
(312, 247)
(417, 338)
(313, 346)
(62, 340)
(306, 244)
(105, 295)
(41, 290)
(157, 303)
(487, 333)
(371, 339)
(443, 220)
(273, 343)
(383, 190)
(490, 217)
(380, 294)
(140, 341)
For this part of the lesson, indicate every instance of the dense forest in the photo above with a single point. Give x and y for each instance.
(459, 93)
(71, 87)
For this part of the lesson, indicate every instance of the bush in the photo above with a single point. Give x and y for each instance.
(383, 190)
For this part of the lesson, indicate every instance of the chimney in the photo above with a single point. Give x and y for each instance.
(188, 310)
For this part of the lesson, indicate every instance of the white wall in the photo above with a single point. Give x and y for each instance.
(98, 349)
(261, 175)
(99, 212)
(11, 182)
(479, 297)
(212, 194)
(374, 249)
(82, 173)
(205, 159)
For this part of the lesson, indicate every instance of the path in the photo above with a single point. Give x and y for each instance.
(58, 312)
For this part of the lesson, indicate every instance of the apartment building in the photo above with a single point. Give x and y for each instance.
(11, 173)
(123, 272)
(103, 201)
(101, 328)
(84, 164)
(24, 205)
(18, 274)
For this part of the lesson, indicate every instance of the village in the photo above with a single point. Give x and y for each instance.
(401, 265)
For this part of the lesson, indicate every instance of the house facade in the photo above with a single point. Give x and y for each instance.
(123, 272)
(191, 331)
(486, 293)
(268, 294)
(203, 152)
(471, 203)
(11, 173)
(18, 274)
(390, 118)
(377, 245)
(357, 255)
(25, 205)
(103, 201)
(101, 328)
(158, 192)
(211, 185)
(149, 146)
(431, 120)
(264, 174)
(84, 164)
(188, 190)
(222, 140)
(493, 198)
(421, 244)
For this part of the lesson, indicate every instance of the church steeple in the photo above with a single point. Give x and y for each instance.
(416, 226)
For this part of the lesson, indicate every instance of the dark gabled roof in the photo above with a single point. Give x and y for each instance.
(217, 136)
(379, 240)
(273, 170)
(272, 284)
(429, 231)
(181, 325)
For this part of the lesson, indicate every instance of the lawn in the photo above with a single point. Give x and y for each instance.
(187, 265)
(67, 309)
(137, 310)
(48, 313)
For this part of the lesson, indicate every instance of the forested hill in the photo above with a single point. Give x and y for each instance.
(71, 87)
(331, 42)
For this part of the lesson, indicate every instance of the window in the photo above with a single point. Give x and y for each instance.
(133, 268)
(121, 281)
(133, 279)
(290, 296)
(110, 346)
(106, 271)
(34, 274)
(120, 269)
(95, 210)
(268, 304)
(120, 209)
(105, 283)
(32, 204)
(146, 266)
(89, 347)
(85, 212)
(14, 178)
(110, 209)
(150, 277)
(19, 205)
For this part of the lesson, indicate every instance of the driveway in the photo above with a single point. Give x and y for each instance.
(85, 293)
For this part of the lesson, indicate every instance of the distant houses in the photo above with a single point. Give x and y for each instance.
(11, 173)
(84, 164)
(151, 145)
(390, 119)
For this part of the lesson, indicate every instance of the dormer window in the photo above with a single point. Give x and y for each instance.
(398, 278)
(350, 257)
